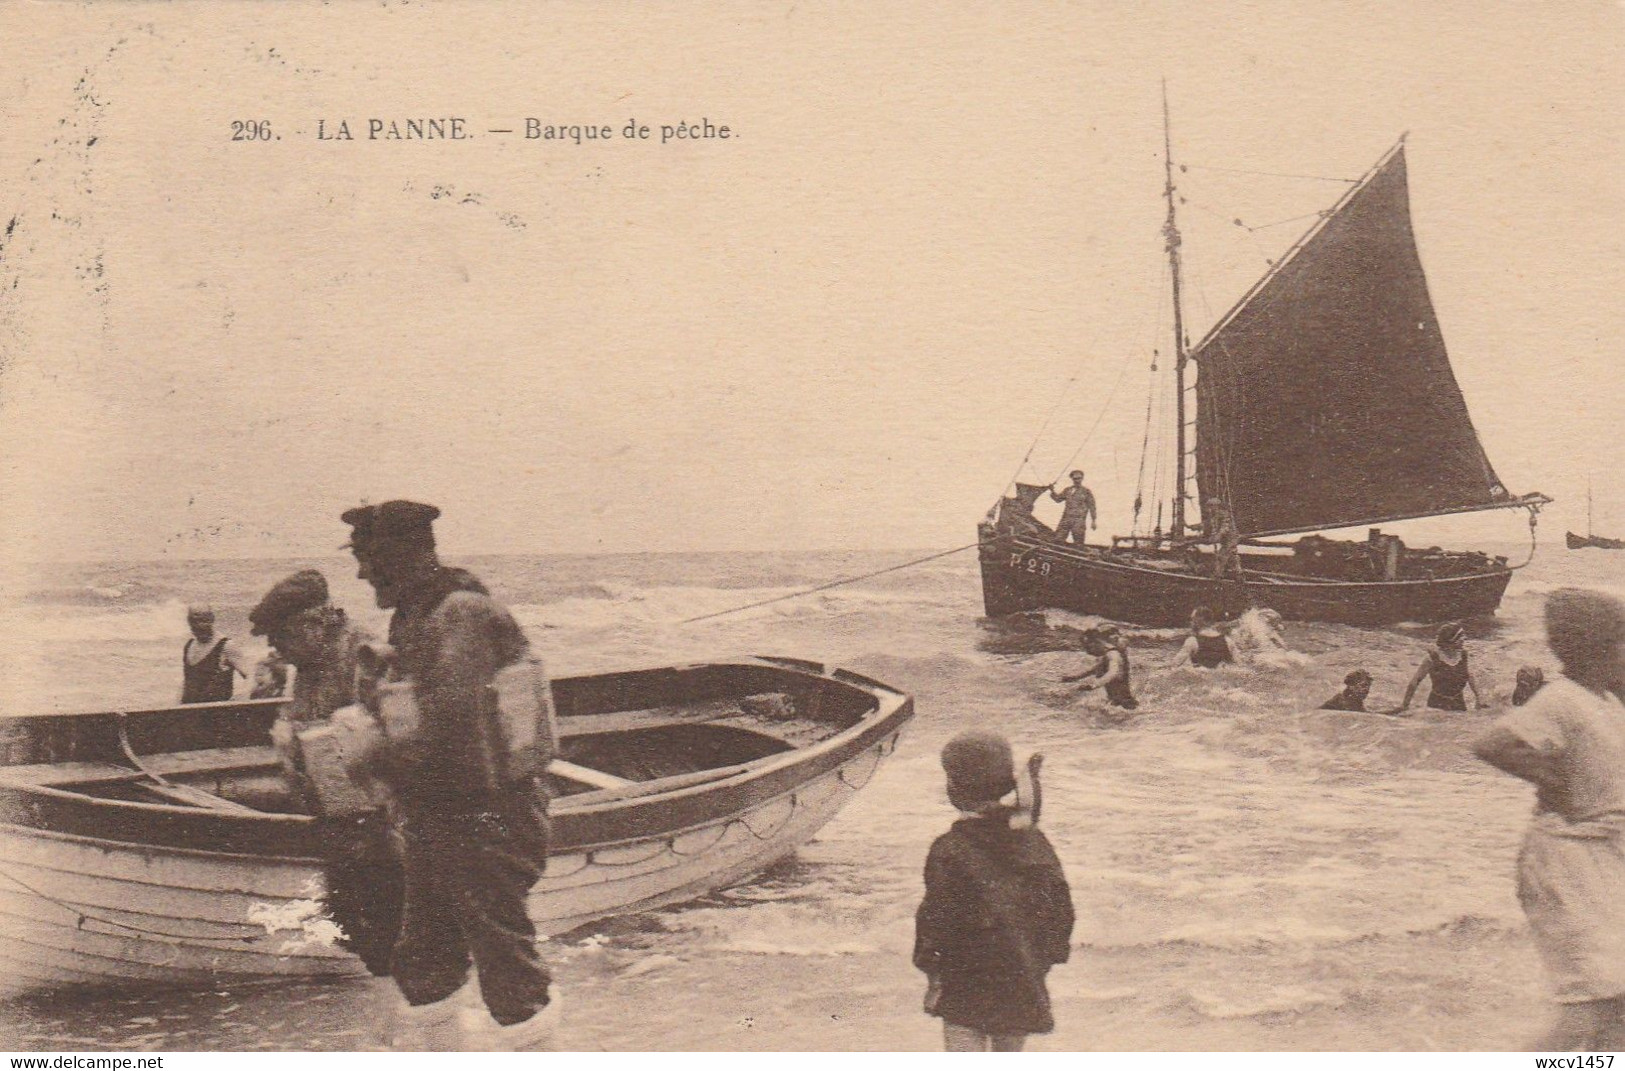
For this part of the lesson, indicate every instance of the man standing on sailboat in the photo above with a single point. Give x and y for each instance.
(1078, 515)
(1221, 529)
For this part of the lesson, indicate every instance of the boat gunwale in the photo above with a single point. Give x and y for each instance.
(1100, 560)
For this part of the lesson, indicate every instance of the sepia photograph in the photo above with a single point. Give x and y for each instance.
(812, 527)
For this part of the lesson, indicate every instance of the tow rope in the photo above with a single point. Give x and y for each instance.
(832, 584)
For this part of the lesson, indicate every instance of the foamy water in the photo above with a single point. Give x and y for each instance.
(1248, 871)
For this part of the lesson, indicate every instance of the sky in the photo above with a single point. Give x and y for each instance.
(931, 245)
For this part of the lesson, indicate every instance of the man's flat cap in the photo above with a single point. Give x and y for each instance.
(303, 590)
(388, 521)
(360, 521)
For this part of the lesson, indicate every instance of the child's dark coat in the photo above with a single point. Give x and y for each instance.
(997, 915)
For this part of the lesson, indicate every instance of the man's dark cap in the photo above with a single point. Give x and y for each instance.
(360, 520)
(395, 521)
(303, 590)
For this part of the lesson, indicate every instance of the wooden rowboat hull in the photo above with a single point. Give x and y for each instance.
(97, 892)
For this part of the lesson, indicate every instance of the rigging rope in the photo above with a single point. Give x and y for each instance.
(1037, 438)
(1145, 445)
(1322, 214)
(1104, 409)
(1267, 174)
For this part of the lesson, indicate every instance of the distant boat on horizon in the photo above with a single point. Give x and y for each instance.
(1590, 539)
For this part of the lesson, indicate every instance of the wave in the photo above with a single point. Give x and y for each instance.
(792, 929)
(1283, 933)
(611, 604)
(101, 592)
(1546, 587)
(142, 622)
(1278, 1000)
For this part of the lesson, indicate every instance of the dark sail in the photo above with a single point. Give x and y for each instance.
(1016, 511)
(1326, 397)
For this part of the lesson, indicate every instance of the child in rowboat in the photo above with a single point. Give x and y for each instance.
(997, 913)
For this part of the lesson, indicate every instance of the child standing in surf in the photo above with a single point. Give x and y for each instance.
(997, 913)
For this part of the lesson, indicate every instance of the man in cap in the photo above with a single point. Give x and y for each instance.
(208, 661)
(315, 637)
(1078, 515)
(474, 836)
(363, 868)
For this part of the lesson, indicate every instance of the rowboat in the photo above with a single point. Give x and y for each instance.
(162, 847)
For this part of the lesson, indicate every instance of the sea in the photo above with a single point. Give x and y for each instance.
(1249, 872)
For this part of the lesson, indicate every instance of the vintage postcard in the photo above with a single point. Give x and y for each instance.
(807, 526)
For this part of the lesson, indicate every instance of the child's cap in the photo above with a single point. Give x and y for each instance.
(1359, 676)
(981, 769)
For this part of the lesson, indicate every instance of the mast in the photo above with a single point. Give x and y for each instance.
(1588, 507)
(1170, 233)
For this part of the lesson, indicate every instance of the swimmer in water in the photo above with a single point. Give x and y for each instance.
(1110, 673)
(1356, 686)
(1207, 647)
(1529, 681)
(1446, 671)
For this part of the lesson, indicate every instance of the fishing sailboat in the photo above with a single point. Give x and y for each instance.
(1590, 539)
(1324, 400)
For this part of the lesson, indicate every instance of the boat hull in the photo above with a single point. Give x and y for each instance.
(1579, 542)
(100, 892)
(1020, 574)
